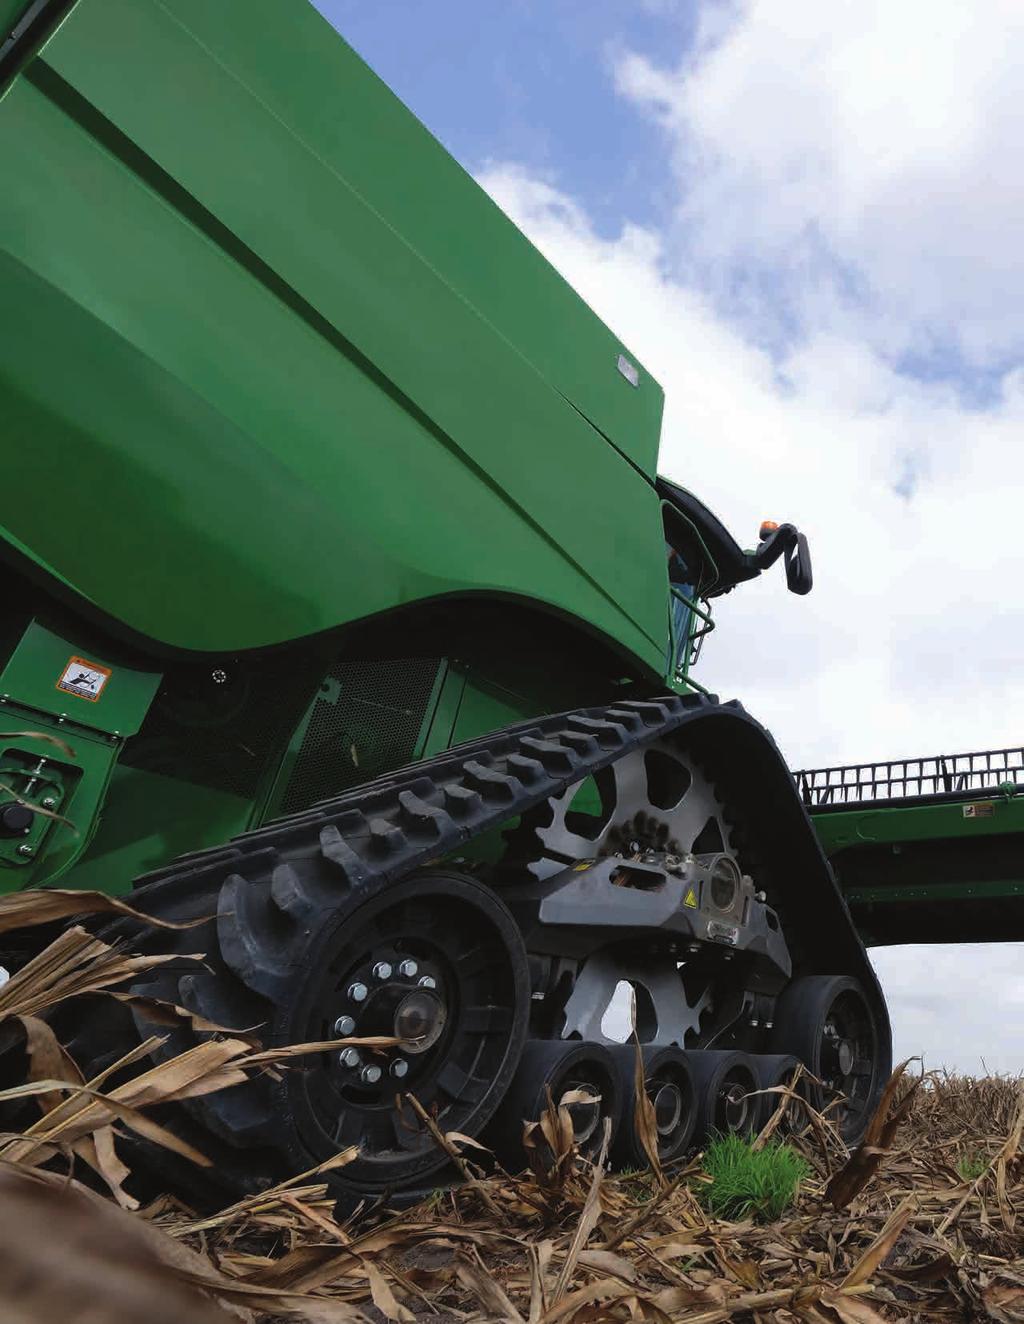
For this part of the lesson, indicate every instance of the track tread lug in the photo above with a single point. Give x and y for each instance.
(258, 965)
(556, 758)
(527, 770)
(336, 850)
(461, 801)
(385, 838)
(492, 785)
(421, 818)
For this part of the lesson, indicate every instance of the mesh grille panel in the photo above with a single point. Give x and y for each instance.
(365, 721)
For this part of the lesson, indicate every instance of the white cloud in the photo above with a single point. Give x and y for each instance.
(861, 161)
(854, 155)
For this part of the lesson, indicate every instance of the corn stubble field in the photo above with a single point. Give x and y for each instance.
(924, 1222)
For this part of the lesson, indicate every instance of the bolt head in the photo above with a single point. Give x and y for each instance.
(370, 1074)
(357, 992)
(427, 981)
(399, 1067)
(25, 850)
(344, 1025)
(350, 1057)
(382, 970)
(49, 803)
(407, 969)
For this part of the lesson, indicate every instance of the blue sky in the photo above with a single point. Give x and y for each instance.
(530, 81)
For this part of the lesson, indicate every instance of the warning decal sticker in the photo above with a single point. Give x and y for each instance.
(84, 679)
(690, 899)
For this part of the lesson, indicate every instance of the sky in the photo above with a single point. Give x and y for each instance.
(805, 220)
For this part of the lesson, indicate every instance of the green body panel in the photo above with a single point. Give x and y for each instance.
(241, 313)
(949, 869)
(37, 665)
(10, 12)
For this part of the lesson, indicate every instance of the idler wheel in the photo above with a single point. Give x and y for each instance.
(561, 1067)
(827, 1021)
(669, 1083)
(773, 1070)
(727, 1099)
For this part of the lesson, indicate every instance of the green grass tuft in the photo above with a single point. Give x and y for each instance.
(971, 1166)
(749, 1183)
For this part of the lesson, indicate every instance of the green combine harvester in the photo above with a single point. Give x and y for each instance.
(337, 560)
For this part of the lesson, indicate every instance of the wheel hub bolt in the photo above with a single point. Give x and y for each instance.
(344, 1025)
(370, 1075)
(407, 969)
(350, 1057)
(427, 981)
(399, 1067)
(357, 992)
(382, 970)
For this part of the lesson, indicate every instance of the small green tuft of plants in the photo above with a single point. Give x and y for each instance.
(751, 1183)
(971, 1166)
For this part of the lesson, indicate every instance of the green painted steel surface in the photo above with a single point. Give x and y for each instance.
(280, 365)
(947, 869)
(36, 671)
(896, 823)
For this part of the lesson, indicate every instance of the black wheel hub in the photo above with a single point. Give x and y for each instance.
(847, 1051)
(585, 1116)
(436, 963)
(732, 1107)
(667, 1099)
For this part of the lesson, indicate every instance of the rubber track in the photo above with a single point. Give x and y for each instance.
(389, 827)
(267, 890)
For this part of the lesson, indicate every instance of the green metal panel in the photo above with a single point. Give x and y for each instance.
(71, 782)
(897, 823)
(945, 870)
(115, 702)
(147, 820)
(223, 340)
(10, 12)
(245, 101)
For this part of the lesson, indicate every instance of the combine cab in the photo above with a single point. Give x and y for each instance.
(346, 615)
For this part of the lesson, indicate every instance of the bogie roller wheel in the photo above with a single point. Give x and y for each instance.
(669, 1085)
(781, 1069)
(827, 1022)
(434, 960)
(727, 1100)
(559, 1067)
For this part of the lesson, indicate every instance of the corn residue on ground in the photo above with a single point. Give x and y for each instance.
(924, 1222)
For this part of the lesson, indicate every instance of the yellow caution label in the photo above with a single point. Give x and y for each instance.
(690, 899)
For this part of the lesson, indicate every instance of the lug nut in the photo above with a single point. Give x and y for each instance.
(357, 992)
(399, 1067)
(370, 1075)
(382, 970)
(344, 1025)
(350, 1057)
(427, 981)
(407, 969)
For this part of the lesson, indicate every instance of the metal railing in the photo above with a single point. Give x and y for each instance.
(993, 770)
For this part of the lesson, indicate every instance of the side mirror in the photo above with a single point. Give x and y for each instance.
(799, 577)
(787, 540)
